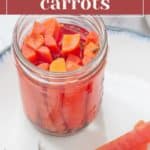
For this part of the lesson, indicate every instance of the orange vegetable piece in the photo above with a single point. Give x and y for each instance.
(38, 28)
(58, 65)
(54, 103)
(72, 66)
(43, 66)
(51, 43)
(34, 41)
(70, 43)
(131, 140)
(74, 58)
(29, 53)
(74, 106)
(44, 54)
(51, 25)
(72, 62)
(86, 60)
(92, 37)
(90, 50)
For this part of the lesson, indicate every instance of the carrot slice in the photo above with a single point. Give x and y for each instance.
(43, 66)
(72, 66)
(51, 25)
(86, 60)
(74, 59)
(131, 140)
(38, 28)
(92, 37)
(72, 62)
(34, 41)
(70, 43)
(51, 43)
(90, 50)
(58, 65)
(29, 53)
(44, 54)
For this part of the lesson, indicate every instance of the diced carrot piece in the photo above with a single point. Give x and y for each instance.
(92, 37)
(86, 60)
(51, 43)
(90, 50)
(44, 66)
(131, 140)
(34, 41)
(72, 66)
(44, 54)
(51, 25)
(70, 43)
(38, 28)
(74, 59)
(58, 65)
(72, 62)
(29, 53)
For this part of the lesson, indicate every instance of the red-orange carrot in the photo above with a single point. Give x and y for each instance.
(34, 41)
(38, 28)
(91, 49)
(70, 43)
(43, 66)
(92, 37)
(131, 140)
(58, 65)
(51, 42)
(139, 125)
(29, 53)
(44, 54)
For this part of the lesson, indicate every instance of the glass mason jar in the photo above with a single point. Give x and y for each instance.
(61, 103)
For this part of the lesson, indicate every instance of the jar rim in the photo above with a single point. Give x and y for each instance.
(57, 75)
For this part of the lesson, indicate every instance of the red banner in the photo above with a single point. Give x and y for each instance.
(2, 6)
(72, 7)
(75, 6)
(146, 6)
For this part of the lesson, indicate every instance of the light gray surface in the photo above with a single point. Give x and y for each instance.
(138, 24)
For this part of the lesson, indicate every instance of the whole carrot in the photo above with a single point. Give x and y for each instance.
(130, 141)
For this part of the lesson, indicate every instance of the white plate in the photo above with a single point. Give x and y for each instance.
(126, 100)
